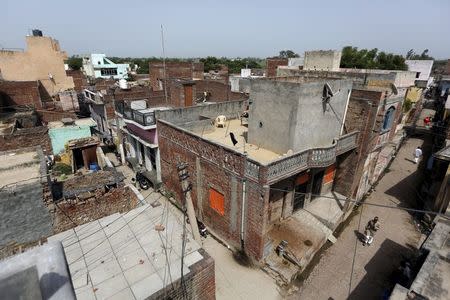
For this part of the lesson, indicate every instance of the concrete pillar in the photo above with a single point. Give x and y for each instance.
(148, 158)
(158, 165)
(288, 203)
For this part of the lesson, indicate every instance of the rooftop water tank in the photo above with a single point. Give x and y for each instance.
(123, 84)
(37, 32)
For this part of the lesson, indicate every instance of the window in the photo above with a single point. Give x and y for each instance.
(388, 119)
(216, 201)
(417, 74)
(108, 72)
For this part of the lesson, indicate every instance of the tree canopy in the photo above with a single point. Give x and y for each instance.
(234, 65)
(75, 63)
(411, 54)
(287, 54)
(371, 59)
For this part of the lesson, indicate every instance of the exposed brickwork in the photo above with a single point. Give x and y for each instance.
(182, 70)
(198, 284)
(79, 79)
(272, 65)
(27, 137)
(69, 214)
(53, 115)
(216, 91)
(365, 113)
(222, 170)
(20, 93)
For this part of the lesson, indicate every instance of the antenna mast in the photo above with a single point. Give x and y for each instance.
(164, 63)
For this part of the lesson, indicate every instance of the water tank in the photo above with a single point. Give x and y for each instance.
(123, 84)
(37, 32)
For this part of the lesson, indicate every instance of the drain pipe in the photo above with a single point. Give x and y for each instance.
(244, 196)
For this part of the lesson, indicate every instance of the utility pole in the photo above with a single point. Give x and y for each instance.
(188, 206)
(119, 133)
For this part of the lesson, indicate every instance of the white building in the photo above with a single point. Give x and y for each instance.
(422, 68)
(98, 66)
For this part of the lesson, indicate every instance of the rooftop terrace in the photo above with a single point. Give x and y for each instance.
(124, 256)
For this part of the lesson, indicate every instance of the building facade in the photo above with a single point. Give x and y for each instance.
(242, 187)
(42, 61)
(99, 66)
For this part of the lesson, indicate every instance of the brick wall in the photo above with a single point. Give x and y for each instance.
(212, 166)
(199, 283)
(182, 70)
(28, 137)
(20, 93)
(102, 204)
(53, 115)
(272, 65)
(79, 80)
(217, 91)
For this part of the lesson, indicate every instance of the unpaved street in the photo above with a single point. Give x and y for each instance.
(330, 278)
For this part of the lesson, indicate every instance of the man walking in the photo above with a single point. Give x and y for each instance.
(417, 154)
(369, 232)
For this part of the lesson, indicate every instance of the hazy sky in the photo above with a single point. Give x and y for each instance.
(228, 27)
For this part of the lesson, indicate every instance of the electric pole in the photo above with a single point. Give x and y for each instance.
(188, 206)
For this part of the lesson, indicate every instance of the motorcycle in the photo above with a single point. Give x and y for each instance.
(201, 228)
(144, 183)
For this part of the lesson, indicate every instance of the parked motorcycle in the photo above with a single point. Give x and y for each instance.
(144, 183)
(201, 228)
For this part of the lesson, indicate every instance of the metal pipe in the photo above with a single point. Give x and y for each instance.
(244, 196)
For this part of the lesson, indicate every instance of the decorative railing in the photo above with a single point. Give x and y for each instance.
(145, 119)
(311, 158)
(252, 169)
(347, 142)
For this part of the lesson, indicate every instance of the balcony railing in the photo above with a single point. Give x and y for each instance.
(145, 119)
(311, 158)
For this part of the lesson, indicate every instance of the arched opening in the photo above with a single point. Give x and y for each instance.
(388, 118)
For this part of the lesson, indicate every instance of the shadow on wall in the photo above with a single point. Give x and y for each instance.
(379, 279)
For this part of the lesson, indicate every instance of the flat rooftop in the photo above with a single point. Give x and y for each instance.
(78, 122)
(19, 166)
(222, 136)
(124, 256)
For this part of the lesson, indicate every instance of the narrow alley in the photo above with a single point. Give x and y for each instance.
(398, 236)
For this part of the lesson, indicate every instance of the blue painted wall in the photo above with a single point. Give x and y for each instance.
(60, 136)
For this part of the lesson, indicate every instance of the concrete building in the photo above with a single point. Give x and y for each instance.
(375, 109)
(423, 71)
(41, 273)
(99, 66)
(42, 61)
(251, 192)
(138, 137)
(322, 60)
(25, 218)
(61, 132)
(123, 256)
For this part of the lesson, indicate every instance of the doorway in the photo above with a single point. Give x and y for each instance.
(300, 195)
(317, 184)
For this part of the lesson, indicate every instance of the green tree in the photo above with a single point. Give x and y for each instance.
(371, 59)
(75, 63)
(287, 54)
(411, 54)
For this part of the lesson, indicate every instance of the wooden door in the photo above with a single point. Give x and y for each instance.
(188, 96)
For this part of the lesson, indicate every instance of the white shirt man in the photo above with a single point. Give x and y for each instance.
(417, 154)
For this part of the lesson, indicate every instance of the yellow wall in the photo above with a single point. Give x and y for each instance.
(42, 56)
(414, 94)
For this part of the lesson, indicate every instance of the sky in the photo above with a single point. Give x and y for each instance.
(199, 28)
